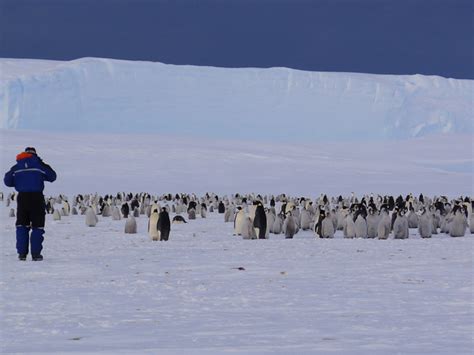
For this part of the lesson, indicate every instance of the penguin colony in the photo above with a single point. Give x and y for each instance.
(258, 216)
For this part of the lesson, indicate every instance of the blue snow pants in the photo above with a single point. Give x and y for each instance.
(31, 212)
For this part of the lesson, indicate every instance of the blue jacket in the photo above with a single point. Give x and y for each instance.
(29, 173)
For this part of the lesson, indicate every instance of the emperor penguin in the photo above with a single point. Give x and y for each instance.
(321, 216)
(270, 219)
(115, 214)
(221, 207)
(191, 214)
(106, 211)
(425, 224)
(239, 221)
(228, 214)
(341, 216)
(153, 225)
(203, 210)
(384, 225)
(66, 208)
(74, 211)
(305, 219)
(131, 225)
(360, 227)
(260, 222)
(327, 226)
(91, 218)
(471, 218)
(56, 215)
(412, 219)
(290, 226)
(136, 212)
(458, 225)
(164, 224)
(12, 213)
(248, 231)
(349, 227)
(372, 223)
(125, 209)
(179, 219)
(400, 226)
(277, 225)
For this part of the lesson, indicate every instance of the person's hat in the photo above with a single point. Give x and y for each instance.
(30, 150)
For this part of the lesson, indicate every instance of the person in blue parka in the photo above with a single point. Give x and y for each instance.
(27, 176)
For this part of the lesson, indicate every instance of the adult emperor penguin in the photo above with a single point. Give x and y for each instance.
(260, 221)
(400, 226)
(425, 224)
(164, 224)
(458, 225)
(239, 221)
(153, 225)
(384, 225)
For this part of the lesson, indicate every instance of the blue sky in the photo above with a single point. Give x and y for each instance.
(374, 36)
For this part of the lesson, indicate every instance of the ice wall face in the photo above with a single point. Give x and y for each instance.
(103, 95)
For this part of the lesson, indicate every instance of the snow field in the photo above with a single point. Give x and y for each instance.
(102, 291)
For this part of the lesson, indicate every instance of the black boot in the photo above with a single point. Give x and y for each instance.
(22, 257)
(37, 257)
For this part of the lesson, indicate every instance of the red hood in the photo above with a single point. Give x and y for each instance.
(23, 155)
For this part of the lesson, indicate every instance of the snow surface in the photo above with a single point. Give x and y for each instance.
(101, 291)
(107, 163)
(105, 95)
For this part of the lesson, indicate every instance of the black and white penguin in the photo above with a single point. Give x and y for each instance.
(260, 222)
(164, 224)
(239, 221)
(56, 215)
(179, 219)
(153, 225)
